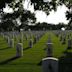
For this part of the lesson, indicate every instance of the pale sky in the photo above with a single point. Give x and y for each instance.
(54, 17)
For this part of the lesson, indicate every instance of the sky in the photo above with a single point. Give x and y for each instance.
(52, 18)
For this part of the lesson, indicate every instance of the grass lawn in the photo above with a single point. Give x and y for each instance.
(31, 57)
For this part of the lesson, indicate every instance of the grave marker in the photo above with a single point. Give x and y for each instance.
(64, 40)
(50, 64)
(49, 48)
(11, 43)
(19, 50)
(31, 43)
(69, 44)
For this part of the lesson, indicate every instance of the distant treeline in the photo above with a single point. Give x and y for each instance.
(39, 26)
(45, 26)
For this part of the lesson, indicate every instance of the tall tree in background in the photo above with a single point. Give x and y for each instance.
(23, 15)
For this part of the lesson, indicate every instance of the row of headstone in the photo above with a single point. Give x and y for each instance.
(9, 40)
(19, 47)
(49, 64)
(9, 37)
(49, 47)
(66, 38)
(12, 35)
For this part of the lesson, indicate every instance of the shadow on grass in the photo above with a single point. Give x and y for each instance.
(1, 43)
(8, 60)
(26, 48)
(45, 49)
(65, 62)
(40, 63)
(5, 48)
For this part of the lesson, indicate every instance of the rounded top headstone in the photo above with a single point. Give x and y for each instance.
(50, 64)
(50, 58)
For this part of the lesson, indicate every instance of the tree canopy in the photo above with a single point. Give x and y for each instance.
(25, 16)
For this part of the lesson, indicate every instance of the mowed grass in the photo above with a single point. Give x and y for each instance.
(31, 57)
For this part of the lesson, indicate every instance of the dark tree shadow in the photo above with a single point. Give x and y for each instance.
(8, 60)
(65, 62)
(5, 48)
(26, 48)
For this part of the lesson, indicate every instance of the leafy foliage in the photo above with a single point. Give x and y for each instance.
(68, 15)
(8, 24)
(43, 5)
(3, 2)
(28, 15)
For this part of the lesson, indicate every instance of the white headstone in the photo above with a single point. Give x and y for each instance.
(11, 42)
(19, 50)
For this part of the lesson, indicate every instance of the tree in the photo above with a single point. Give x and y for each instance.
(22, 14)
(44, 5)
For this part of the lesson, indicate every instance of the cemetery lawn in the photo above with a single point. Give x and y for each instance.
(31, 57)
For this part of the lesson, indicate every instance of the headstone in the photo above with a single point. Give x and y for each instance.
(64, 41)
(8, 40)
(19, 50)
(68, 36)
(31, 43)
(49, 48)
(38, 37)
(2, 34)
(69, 44)
(30, 33)
(50, 64)
(11, 43)
(35, 39)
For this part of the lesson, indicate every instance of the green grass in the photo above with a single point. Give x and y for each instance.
(31, 57)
